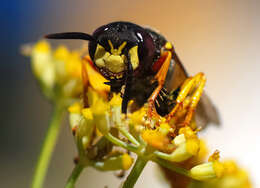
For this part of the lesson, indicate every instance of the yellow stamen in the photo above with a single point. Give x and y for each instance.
(87, 113)
(75, 108)
(155, 139)
(214, 156)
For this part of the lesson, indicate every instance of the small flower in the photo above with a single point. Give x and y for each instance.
(115, 107)
(75, 115)
(57, 70)
(186, 148)
(101, 116)
(42, 65)
(155, 139)
(207, 171)
(127, 161)
(231, 176)
(117, 162)
(85, 128)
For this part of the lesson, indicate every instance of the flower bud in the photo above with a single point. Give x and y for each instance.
(100, 110)
(207, 171)
(75, 115)
(185, 149)
(115, 104)
(119, 162)
(85, 128)
(42, 64)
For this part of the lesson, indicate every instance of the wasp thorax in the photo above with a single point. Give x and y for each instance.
(113, 64)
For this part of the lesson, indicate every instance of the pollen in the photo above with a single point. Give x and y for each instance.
(214, 157)
(188, 132)
(218, 168)
(87, 113)
(192, 146)
(155, 139)
(75, 108)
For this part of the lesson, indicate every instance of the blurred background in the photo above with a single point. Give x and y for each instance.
(219, 38)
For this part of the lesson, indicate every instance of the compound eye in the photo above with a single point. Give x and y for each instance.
(146, 45)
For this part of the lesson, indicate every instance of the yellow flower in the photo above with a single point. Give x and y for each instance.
(155, 139)
(186, 148)
(73, 65)
(115, 105)
(96, 79)
(75, 108)
(137, 117)
(231, 175)
(42, 64)
(117, 162)
(127, 161)
(100, 110)
(207, 171)
(85, 128)
(75, 115)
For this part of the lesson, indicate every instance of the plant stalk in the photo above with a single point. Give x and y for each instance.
(135, 173)
(48, 146)
(74, 176)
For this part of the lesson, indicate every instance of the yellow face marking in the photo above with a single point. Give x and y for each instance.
(133, 52)
(116, 51)
(114, 61)
(100, 55)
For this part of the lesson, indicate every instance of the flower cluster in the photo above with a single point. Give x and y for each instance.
(105, 138)
(58, 71)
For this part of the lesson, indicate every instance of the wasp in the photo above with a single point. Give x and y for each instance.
(142, 65)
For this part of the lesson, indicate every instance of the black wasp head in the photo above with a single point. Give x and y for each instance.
(116, 47)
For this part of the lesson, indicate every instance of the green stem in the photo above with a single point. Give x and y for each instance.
(129, 136)
(172, 167)
(120, 143)
(48, 146)
(135, 172)
(74, 176)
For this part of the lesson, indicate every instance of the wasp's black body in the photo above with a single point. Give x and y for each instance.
(128, 55)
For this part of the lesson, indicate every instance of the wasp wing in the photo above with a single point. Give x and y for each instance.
(206, 112)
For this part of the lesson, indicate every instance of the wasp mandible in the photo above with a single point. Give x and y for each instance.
(142, 65)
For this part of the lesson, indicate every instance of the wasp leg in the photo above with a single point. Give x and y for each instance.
(160, 77)
(201, 80)
(196, 83)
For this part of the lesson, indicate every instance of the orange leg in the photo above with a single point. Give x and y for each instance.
(197, 82)
(160, 77)
(201, 80)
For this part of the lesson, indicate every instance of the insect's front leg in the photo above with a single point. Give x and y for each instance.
(160, 77)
